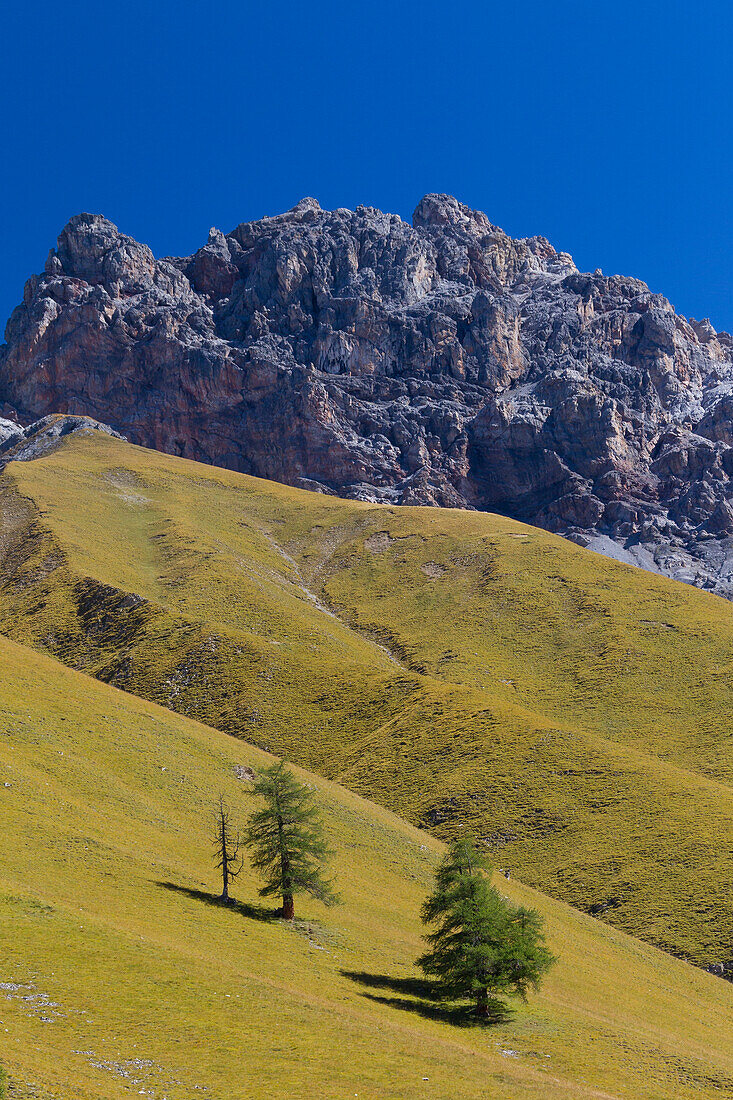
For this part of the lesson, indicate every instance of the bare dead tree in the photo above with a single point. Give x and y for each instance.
(226, 849)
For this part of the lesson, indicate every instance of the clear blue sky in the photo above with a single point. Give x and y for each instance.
(605, 127)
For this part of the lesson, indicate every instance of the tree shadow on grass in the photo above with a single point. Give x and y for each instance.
(252, 912)
(425, 1000)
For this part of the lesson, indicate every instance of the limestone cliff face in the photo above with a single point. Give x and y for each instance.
(439, 363)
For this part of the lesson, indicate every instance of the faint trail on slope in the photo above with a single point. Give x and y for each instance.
(310, 595)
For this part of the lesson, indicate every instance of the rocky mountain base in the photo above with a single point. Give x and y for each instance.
(438, 363)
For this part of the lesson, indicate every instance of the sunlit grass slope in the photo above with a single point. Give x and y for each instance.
(462, 669)
(118, 978)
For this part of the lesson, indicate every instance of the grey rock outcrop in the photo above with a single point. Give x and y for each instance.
(39, 438)
(10, 433)
(439, 363)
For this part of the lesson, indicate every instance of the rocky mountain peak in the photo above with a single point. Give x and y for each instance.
(444, 210)
(442, 362)
(91, 248)
(306, 204)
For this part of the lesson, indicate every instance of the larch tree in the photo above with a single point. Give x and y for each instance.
(286, 840)
(226, 849)
(480, 944)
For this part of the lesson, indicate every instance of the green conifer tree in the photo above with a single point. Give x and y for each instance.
(480, 945)
(286, 839)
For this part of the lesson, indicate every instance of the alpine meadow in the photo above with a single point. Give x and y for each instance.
(461, 669)
(366, 551)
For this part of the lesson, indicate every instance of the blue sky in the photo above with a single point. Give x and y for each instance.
(606, 128)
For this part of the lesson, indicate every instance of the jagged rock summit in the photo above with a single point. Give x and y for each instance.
(438, 363)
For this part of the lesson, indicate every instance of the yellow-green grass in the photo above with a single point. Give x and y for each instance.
(464, 670)
(119, 978)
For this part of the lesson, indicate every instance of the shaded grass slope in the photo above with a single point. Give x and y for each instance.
(462, 669)
(120, 975)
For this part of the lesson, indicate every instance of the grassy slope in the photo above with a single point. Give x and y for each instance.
(115, 983)
(573, 711)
